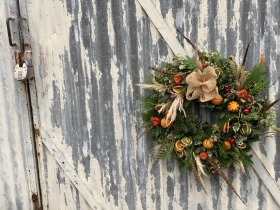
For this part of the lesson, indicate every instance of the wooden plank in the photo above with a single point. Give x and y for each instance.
(18, 174)
(162, 27)
(176, 47)
(68, 169)
(266, 178)
(86, 69)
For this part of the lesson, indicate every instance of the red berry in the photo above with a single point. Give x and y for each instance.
(204, 65)
(246, 111)
(227, 89)
(177, 79)
(203, 155)
(232, 141)
(155, 121)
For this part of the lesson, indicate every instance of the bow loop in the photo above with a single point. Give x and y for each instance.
(202, 85)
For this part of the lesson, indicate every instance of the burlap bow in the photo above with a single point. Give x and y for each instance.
(202, 84)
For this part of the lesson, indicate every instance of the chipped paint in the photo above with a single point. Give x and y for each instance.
(87, 58)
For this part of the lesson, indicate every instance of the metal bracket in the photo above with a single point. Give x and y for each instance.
(23, 29)
(12, 44)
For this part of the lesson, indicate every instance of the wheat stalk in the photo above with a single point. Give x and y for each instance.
(176, 105)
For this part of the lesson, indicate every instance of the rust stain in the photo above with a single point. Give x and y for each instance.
(19, 56)
(36, 131)
(35, 200)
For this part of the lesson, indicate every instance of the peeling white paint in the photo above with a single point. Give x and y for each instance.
(109, 179)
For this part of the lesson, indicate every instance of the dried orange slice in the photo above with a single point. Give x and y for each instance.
(178, 146)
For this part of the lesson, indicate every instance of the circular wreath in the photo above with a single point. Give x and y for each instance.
(233, 97)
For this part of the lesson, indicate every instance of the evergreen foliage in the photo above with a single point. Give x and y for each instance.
(236, 128)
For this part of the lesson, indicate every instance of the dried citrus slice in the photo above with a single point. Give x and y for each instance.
(178, 146)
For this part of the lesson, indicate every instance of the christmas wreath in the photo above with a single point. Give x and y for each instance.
(233, 97)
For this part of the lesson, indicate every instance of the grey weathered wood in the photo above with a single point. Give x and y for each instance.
(18, 175)
(70, 172)
(266, 178)
(160, 24)
(162, 27)
(88, 56)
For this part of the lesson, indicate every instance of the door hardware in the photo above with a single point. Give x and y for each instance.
(12, 44)
(20, 72)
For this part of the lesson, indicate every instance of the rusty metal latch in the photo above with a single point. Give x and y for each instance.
(21, 68)
(12, 44)
(20, 72)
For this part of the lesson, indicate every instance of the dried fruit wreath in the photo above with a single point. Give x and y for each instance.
(234, 98)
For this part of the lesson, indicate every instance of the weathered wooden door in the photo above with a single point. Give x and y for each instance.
(87, 58)
(19, 188)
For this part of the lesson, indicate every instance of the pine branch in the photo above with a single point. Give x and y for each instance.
(255, 81)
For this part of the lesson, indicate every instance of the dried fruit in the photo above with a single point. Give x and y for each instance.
(217, 101)
(186, 141)
(158, 107)
(177, 88)
(207, 144)
(226, 127)
(203, 155)
(233, 106)
(178, 146)
(155, 121)
(182, 154)
(177, 78)
(165, 123)
(241, 146)
(226, 145)
(242, 93)
(245, 129)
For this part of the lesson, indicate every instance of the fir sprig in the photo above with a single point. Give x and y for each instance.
(256, 80)
(243, 126)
